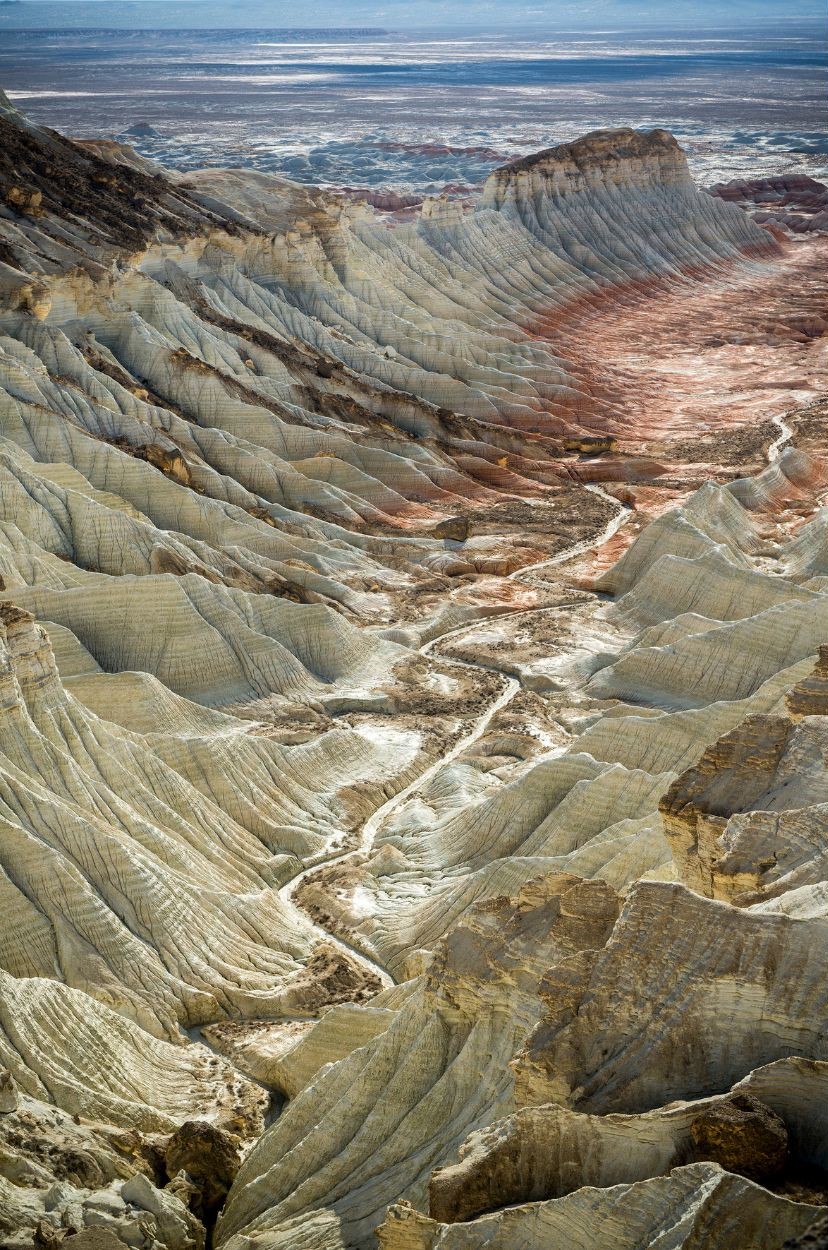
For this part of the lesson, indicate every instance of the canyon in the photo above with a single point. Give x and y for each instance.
(414, 739)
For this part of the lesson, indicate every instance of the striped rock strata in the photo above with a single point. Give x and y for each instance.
(318, 748)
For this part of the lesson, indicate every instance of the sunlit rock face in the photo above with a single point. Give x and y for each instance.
(605, 159)
(702, 1196)
(548, 1151)
(412, 706)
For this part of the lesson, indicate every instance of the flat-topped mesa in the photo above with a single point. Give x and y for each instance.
(610, 158)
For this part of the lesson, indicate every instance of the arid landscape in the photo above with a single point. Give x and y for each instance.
(414, 715)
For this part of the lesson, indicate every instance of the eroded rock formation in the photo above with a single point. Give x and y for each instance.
(406, 717)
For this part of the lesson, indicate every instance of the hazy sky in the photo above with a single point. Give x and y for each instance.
(452, 14)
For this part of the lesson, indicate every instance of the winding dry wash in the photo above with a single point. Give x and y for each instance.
(413, 709)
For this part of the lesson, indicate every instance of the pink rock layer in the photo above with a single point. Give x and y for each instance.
(683, 357)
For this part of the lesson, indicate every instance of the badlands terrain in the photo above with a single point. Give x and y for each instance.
(414, 715)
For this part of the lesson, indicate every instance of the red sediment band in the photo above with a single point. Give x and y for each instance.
(682, 355)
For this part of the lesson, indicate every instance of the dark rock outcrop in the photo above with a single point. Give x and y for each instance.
(210, 1158)
(742, 1135)
(455, 528)
(107, 207)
